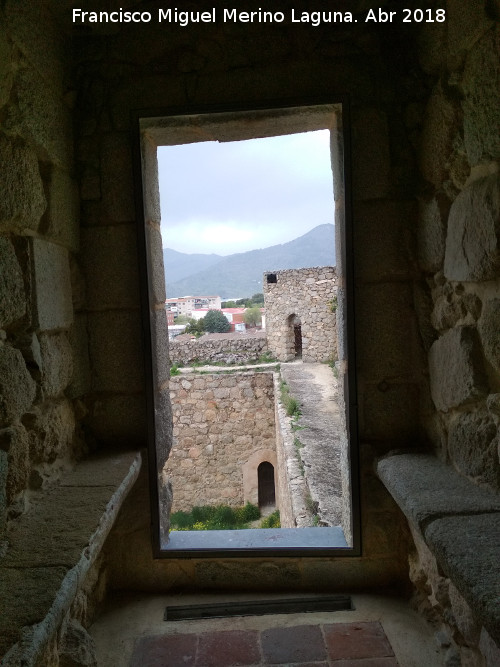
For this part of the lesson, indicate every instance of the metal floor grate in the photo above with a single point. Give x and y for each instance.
(258, 607)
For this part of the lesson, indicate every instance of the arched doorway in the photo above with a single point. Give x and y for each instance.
(267, 493)
(293, 337)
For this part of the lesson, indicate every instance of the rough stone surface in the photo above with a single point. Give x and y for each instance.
(12, 295)
(51, 430)
(81, 378)
(23, 200)
(467, 548)
(117, 179)
(306, 297)
(473, 445)
(242, 350)
(57, 363)
(433, 215)
(116, 368)
(106, 250)
(473, 239)
(489, 328)
(481, 86)
(14, 440)
(458, 383)
(61, 221)
(440, 127)
(53, 308)
(118, 418)
(17, 389)
(427, 489)
(219, 421)
(371, 175)
(77, 647)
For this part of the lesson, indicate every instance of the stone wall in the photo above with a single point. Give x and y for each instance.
(309, 295)
(43, 368)
(457, 297)
(220, 421)
(227, 349)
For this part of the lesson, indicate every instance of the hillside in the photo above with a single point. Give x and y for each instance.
(240, 274)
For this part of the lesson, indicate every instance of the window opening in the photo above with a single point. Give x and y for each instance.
(176, 132)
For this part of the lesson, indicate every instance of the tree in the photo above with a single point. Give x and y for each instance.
(195, 327)
(228, 304)
(216, 322)
(252, 316)
(258, 298)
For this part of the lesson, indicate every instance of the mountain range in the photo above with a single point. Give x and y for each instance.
(240, 274)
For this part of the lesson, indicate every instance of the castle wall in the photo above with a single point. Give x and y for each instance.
(305, 295)
(220, 422)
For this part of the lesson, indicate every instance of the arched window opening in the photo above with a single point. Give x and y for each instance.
(267, 493)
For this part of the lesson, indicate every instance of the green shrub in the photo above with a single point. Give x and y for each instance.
(214, 517)
(271, 521)
(174, 370)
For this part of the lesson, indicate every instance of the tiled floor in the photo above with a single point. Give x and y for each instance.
(362, 644)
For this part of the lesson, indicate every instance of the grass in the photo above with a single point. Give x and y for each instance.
(290, 403)
(271, 521)
(174, 370)
(215, 517)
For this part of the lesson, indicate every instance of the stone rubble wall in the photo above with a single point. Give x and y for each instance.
(219, 421)
(310, 294)
(457, 298)
(230, 351)
(43, 369)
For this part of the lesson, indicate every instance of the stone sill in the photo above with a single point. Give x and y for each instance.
(269, 541)
(52, 548)
(459, 522)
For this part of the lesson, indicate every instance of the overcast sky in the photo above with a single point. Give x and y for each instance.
(232, 197)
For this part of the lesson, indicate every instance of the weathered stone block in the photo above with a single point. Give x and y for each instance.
(12, 294)
(119, 419)
(466, 548)
(14, 440)
(386, 310)
(481, 87)
(51, 431)
(35, 32)
(23, 200)
(4, 466)
(53, 307)
(473, 239)
(6, 69)
(77, 647)
(17, 389)
(391, 413)
(61, 220)
(489, 330)
(110, 265)
(156, 268)
(472, 446)
(117, 183)
(441, 124)
(81, 378)
(456, 371)
(466, 22)
(383, 251)
(371, 157)
(433, 215)
(160, 347)
(116, 351)
(57, 363)
(426, 489)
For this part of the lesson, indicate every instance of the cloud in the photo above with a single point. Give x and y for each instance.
(237, 196)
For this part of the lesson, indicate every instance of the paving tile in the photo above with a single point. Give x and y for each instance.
(300, 644)
(162, 650)
(228, 649)
(366, 662)
(356, 640)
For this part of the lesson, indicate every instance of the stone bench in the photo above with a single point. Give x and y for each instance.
(460, 524)
(51, 551)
